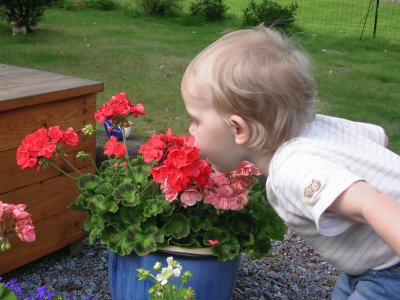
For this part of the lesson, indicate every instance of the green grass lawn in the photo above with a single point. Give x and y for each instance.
(146, 57)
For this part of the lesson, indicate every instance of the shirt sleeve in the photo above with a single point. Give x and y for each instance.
(306, 184)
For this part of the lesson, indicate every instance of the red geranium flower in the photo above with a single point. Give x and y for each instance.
(114, 148)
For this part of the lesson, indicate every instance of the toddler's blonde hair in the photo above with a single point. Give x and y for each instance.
(259, 75)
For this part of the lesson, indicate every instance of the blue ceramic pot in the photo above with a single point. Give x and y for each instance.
(117, 132)
(211, 279)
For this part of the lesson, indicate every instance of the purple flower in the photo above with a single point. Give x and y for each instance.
(15, 287)
(132, 152)
(43, 293)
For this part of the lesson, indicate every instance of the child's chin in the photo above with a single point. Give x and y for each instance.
(220, 169)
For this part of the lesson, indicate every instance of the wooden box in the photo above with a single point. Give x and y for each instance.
(30, 99)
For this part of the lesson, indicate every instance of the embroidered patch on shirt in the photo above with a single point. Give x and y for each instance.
(311, 190)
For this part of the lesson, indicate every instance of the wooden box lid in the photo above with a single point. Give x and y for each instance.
(21, 87)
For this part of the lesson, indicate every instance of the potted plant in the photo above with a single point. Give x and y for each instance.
(163, 196)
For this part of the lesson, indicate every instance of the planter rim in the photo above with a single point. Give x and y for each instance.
(187, 250)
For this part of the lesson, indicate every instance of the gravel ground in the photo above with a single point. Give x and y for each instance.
(294, 271)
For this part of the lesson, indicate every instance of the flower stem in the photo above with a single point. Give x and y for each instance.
(61, 171)
(94, 165)
(132, 175)
(68, 162)
(147, 186)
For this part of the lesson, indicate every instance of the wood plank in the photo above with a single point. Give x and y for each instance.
(20, 87)
(12, 177)
(46, 199)
(17, 83)
(34, 86)
(17, 123)
(52, 234)
(28, 100)
(8, 70)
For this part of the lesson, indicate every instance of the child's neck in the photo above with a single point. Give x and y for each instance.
(262, 161)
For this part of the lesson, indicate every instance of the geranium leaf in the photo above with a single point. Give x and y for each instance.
(198, 223)
(88, 182)
(177, 226)
(227, 249)
(144, 244)
(117, 241)
(157, 234)
(242, 225)
(106, 189)
(127, 215)
(188, 241)
(127, 194)
(262, 244)
(79, 204)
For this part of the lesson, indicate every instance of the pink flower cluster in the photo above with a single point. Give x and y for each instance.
(118, 107)
(15, 220)
(178, 166)
(42, 144)
(183, 175)
(229, 191)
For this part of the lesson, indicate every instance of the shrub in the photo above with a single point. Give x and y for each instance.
(24, 13)
(102, 4)
(71, 4)
(269, 13)
(211, 10)
(160, 7)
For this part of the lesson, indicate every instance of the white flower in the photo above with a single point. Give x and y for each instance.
(157, 266)
(164, 275)
(175, 266)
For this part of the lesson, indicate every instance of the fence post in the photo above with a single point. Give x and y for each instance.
(376, 16)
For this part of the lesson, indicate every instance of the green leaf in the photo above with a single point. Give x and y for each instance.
(243, 225)
(129, 215)
(117, 241)
(177, 226)
(188, 241)
(227, 249)
(261, 247)
(98, 204)
(79, 204)
(105, 189)
(156, 206)
(198, 223)
(156, 234)
(6, 293)
(88, 182)
(144, 245)
(127, 194)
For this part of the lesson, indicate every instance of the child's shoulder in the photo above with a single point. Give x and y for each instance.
(329, 130)
(329, 140)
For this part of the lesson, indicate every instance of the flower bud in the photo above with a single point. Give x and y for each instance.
(88, 130)
(5, 245)
(81, 155)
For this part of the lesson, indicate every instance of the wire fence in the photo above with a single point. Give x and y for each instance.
(351, 18)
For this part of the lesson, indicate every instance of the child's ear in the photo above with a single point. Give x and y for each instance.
(241, 128)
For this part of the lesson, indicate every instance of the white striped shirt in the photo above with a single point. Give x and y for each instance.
(309, 172)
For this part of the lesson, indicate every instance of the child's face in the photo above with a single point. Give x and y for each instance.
(214, 136)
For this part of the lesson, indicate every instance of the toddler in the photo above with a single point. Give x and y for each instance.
(251, 97)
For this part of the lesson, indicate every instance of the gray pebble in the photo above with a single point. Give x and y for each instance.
(293, 271)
